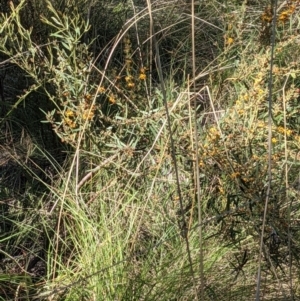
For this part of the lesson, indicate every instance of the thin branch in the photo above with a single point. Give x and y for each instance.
(196, 165)
(270, 120)
(183, 224)
(89, 175)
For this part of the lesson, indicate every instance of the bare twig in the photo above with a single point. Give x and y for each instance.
(196, 165)
(270, 119)
(89, 175)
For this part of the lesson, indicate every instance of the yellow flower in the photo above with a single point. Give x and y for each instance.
(142, 76)
(260, 91)
(274, 140)
(88, 115)
(214, 133)
(69, 113)
(70, 123)
(282, 130)
(213, 130)
(112, 99)
(68, 120)
(101, 89)
(88, 96)
(260, 124)
(267, 15)
(285, 15)
(289, 132)
(241, 111)
(229, 41)
(130, 85)
(128, 78)
(245, 97)
(221, 189)
(201, 163)
(238, 102)
(235, 175)
(297, 138)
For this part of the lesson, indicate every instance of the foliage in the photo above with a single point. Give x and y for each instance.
(89, 199)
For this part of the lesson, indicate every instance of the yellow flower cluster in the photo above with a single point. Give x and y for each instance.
(235, 175)
(297, 138)
(214, 133)
(285, 15)
(112, 98)
(285, 131)
(85, 111)
(88, 114)
(142, 74)
(258, 79)
(129, 81)
(70, 123)
(267, 15)
(229, 41)
(101, 90)
(69, 113)
(69, 118)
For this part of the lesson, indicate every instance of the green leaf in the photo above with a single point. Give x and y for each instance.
(67, 46)
(56, 21)
(57, 35)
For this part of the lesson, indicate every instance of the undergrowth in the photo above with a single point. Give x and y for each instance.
(90, 205)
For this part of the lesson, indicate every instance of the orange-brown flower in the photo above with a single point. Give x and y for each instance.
(112, 99)
(142, 76)
(101, 90)
(130, 85)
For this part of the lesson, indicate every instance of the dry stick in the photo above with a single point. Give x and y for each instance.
(257, 297)
(286, 188)
(151, 42)
(191, 131)
(148, 91)
(196, 165)
(183, 225)
(89, 175)
(217, 69)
